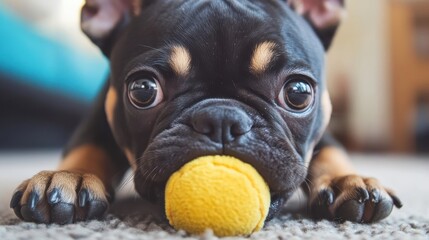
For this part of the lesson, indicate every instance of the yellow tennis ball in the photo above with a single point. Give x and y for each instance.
(217, 192)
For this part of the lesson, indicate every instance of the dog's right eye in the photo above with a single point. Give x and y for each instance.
(145, 92)
(296, 95)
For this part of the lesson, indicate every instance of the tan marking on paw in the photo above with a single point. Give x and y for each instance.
(347, 187)
(66, 182)
(95, 186)
(262, 57)
(372, 183)
(37, 184)
(110, 105)
(180, 61)
(348, 182)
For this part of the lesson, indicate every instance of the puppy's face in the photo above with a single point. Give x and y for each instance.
(238, 78)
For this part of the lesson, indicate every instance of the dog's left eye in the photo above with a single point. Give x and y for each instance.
(296, 95)
(145, 92)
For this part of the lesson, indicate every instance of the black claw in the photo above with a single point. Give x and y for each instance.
(54, 196)
(16, 198)
(83, 197)
(320, 207)
(17, 211)
(62, 213)
(364, 195)
(396, 201)
(15, 204)
(33, 199)
(327, 197)
(375, 195)
(96, 209)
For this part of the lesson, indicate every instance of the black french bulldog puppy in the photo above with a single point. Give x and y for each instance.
(189, 78)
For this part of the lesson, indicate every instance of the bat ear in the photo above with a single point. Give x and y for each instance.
(103, 20)
(323, 15)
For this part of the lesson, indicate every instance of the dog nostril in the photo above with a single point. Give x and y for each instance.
(233, 130)
(240, 129)
(202, 126)
(221, 124)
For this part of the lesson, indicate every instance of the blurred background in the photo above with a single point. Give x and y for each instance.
(378, 74)
(49, 73)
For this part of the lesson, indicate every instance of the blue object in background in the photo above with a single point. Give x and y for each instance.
(48, 64)
(46, 87)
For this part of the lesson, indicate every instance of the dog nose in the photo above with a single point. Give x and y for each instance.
(221, 124)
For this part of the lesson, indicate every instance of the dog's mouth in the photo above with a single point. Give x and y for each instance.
(277, 199)
(151, 183)
(150, 179)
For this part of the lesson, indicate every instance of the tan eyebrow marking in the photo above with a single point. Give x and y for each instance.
(262, 56)
(180, 60)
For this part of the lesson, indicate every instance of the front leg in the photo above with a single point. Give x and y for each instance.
(82, 187)
(336, 192)
(76, 191)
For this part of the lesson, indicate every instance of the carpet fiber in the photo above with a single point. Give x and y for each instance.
(131, 218)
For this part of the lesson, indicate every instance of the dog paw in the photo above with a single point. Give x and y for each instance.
(60, 197)
(352, 198)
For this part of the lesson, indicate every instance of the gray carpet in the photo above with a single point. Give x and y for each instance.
(130, 218)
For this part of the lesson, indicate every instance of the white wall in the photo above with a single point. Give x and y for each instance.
(360, 52)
